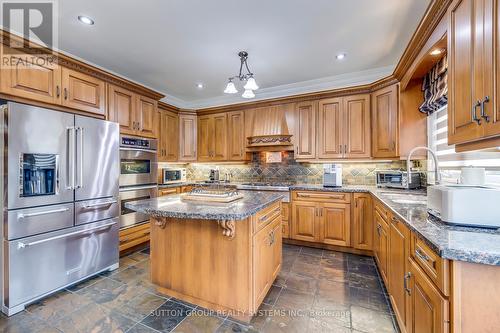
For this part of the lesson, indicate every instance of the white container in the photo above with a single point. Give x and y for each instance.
(465, 205)
(473, 176)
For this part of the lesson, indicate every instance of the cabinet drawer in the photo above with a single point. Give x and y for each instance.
(168, 191)
(134, 236)
(265, 216)
(285, 212)
(321, 196)
(382, 210)
(436, 268)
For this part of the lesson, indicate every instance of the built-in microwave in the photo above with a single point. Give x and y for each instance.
(173, 175)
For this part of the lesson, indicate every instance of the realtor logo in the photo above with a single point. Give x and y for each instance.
(35, 21)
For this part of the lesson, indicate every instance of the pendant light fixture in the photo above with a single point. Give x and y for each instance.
(250, 84)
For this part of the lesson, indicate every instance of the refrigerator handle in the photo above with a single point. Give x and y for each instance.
(80, 159)
(71, 158)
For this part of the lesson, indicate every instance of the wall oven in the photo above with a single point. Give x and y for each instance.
(129, 218)
(138, 161)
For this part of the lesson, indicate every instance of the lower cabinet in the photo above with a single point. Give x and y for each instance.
(134, 236)
(381, 245)
(362, 222)
(285, 219)
(267, 258)
(305, 226)
(428, 310)
(168, 191)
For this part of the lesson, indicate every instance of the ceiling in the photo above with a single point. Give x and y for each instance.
(171, 45)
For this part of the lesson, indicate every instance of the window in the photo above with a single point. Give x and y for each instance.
(450, 162)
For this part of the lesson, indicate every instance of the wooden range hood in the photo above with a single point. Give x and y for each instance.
(269, 131)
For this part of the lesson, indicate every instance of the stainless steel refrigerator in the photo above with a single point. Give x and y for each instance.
(59, 201)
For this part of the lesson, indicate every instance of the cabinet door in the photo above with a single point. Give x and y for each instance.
(147, 117)
(263, 263)
(362, 226)
(429, 311)
(83, 92)
(187, 137)
(356, 122)
(40, 81)
(236, 136)
(306, 130)
(399, 251)
(121, 108)
(169, 136)
(277, 247)
(219, 137)
(330, 143)
(382, 246)
(304, 221)
(335, 224)
(205, 135)
(461, 109)
(385, 122)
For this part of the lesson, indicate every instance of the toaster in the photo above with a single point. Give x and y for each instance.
(465, 205)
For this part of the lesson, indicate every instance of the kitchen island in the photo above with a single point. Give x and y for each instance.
(221, 256)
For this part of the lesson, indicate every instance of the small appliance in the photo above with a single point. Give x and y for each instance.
(173, 175)
(460, 205)
(332, 175)
(398, 179)
(214, 175)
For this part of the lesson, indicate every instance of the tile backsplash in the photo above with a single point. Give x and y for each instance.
(289, 170)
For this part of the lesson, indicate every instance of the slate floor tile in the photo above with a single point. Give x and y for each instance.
(272, 295)
(311, 251)
(371, 321)
(301, 283)
(25, 322)
(167, 316)
(53, 308)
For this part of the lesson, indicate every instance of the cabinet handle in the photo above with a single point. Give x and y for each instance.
(296, 150)
(58, 91)
(405, 282)
(378, 230)
(421, 255)
(345, 149)
(474, 118)
(483, 112)
(65, 93)
(395, 220)
(340, 149)
(320, 212)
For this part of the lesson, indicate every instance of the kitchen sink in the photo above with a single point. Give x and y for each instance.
(410, 201)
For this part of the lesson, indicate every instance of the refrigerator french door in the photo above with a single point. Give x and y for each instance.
(61, 201)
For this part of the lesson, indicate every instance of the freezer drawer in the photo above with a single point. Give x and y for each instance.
(33, 221)
(41, 264)
(96, 210)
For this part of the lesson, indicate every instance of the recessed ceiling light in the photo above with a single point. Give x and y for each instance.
(340, 56)
(86, 20)
(199, 85)
(436, 52)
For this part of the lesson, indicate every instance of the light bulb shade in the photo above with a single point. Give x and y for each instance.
(230, 88)
(248, 94)
(251, 84)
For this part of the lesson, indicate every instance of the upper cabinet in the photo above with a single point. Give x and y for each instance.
(343, 128)
(40, 82)
(212, 137)
(473, 71)
(306, 130)
(169, 136)
(385, 107)
(83, 92)
(236, 136)
(136, 114)
(187, 137)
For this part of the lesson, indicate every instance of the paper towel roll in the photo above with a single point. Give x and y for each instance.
(472, 176)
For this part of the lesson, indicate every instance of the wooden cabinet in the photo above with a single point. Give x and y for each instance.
(304, 221)
(385, 104)
(399, 248)
(429, 311)
(335, 222)
(136, 114)
(321, 217)
(168, 191)
(169, 136)
(83, 92)
(39, 81)
(381, 245)
(147, 117)
(267, 258)
(121, 108)
(236, 136)
(362, 222)
(285, 219)
(187, 137)
(305, 141)
(357, 134)
(212, 137)
(330, 128)
(134, 236)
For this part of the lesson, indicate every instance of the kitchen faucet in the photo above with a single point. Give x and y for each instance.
(436, 166)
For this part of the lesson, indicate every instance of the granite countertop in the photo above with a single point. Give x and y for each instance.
(475, 245)
(175, 185)
(174, 206)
